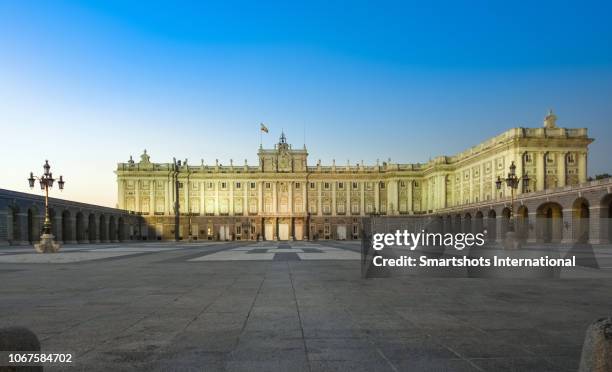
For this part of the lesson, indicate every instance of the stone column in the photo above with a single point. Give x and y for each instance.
(71, 238)
(499, 228)
(519, 172)
(245, 199)
(482, 183)
(377, 196)
(290, 201)
(202, 198)
(443, 202)
(582, 167)
(320, 198)
(186, 186)
(217, 184)
(304, 204)
(598, 227)
(540, 174)
(274, 203)
(532, 227)
(567, 227)
(348, 185)
(230, 184)
(362, 199)
(260, 186)
(168, 200)
(410, 200)
(333, 206)
(152, 205)
(137, 201)
(561, 171)
(121, 191)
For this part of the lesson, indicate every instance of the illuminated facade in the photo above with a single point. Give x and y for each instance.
(283, 197)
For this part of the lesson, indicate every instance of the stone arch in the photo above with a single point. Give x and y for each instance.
(91, 228)
(606, 218)
(506, 214)
(478, 222)
(33, 225)
(67, 226)
(467, 223)
(80, 227)
(112, 229)
(522, 222)
(580, 220)
(492, 224)
(102, 235)
(550, 222)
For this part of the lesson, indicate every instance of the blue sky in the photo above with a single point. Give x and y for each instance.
(86, 84)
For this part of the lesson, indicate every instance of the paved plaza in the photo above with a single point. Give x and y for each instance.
(289, 306)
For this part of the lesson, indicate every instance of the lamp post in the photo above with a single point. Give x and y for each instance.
(46, 245)
(512, 181)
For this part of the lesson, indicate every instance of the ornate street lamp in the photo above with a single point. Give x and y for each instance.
(46, 245)
(512, 181)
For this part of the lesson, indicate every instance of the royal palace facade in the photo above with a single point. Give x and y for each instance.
(284, 198)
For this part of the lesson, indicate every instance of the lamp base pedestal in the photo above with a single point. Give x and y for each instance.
(511, 242)
(47, 245)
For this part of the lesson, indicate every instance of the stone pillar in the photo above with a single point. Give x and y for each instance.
(481, 195)
(532, 227)
(567, 227)
(348, 185)
(290, 201)
(274, 203)
(260, 210)
(519, 172)
(137, 196)
(304, 202)
(410, 200)
(71, 237)
(561, 171)
(598, 227)
(121, 192)
(275, 225)
(362, 199)
(168, 200)
(186, 186)
(540, 174)
(333, 206)
(217, 184)
(202, 198)
(320, 198)
(443, 201)
(230, 184)
(499, 228)
(582, 167)
(377, 196)
(245, 199)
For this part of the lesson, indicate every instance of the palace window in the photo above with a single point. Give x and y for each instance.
(326, 186)
(268, 185)
(340, 185)
(355, 186)
(355, 208)
(223, 185)
(570, 158)
(238, 185)
(528, 158)
(340, 208)
(402, 184)
(211, 185)
(238, 230)
(297, 185)
(382, 185)
(312, 185)
(253, 185)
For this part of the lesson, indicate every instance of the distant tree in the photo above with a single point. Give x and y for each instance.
(600, 176)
